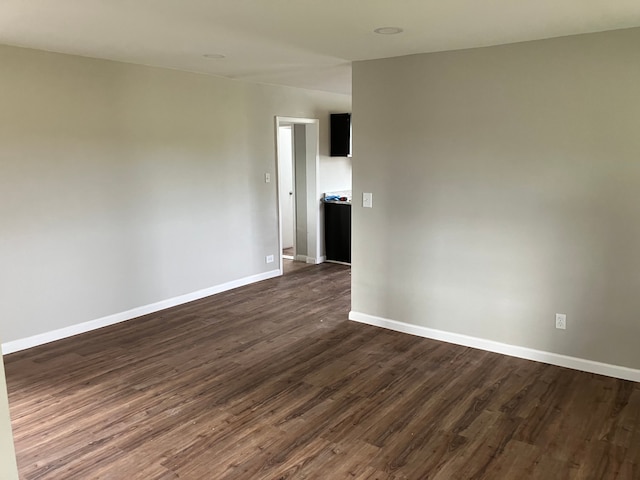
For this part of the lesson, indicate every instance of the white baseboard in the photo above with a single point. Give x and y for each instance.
(575, 363)
(338, 262)
(311, 260)
(42, 338)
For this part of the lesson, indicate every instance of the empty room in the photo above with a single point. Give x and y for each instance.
(171, 304)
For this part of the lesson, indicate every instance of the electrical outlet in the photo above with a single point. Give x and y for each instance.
(269, 258)
(561, 321)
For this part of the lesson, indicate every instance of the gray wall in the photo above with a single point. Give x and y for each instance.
(506, 186)
(126, 185)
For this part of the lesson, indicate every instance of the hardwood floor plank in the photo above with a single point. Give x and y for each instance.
(271, 381)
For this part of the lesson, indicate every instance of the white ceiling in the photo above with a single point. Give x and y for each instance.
(302, 43)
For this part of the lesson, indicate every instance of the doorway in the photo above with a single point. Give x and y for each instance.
(286, 188)
(297, 151)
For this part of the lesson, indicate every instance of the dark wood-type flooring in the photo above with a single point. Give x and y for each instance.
(271, 381)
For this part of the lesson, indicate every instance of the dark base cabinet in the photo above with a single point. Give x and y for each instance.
(337, 231)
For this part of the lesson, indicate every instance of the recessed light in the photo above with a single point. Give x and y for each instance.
(213, 55)
(388, 30)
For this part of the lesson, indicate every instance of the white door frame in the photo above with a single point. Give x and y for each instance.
(312, 127)
(292, 188)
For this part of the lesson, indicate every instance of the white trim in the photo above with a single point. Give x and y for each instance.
(311, 260)
(338, 262)
(278, 206)
(316, 261)
(575, 363)
(42, 338)
(291, 120)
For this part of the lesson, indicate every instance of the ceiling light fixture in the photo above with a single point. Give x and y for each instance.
(388, 30)
(213, 55)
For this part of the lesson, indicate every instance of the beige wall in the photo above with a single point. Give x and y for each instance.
(506, 185)
(126, 185)
(8, 469)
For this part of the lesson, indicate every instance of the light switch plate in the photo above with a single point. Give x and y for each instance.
(367, 200)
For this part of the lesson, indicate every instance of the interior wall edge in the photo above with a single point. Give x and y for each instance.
(590, 366)
(8, 465)
(59, 334)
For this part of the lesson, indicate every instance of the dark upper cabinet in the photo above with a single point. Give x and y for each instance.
(340, 134)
